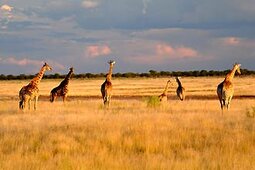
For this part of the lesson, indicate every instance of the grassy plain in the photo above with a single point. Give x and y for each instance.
(82, 134)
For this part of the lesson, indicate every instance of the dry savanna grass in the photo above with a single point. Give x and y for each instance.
(130, 134)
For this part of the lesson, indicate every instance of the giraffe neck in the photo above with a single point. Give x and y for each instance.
(68, 76)
(179, 82)
(166, 88)
(36, 80)
(109, 76)
(231, 75)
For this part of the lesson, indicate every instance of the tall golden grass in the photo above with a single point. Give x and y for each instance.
(82, 134)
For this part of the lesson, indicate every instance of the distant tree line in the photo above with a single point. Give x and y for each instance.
(151, 73)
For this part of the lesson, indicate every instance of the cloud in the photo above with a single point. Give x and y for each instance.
(237, 42)
(144, 59)
(6, 8)
(30, 62)
(157, 52)
(97, 50)
(5, 15)
(165, 50)
(232, 41)
(89, 4)
(145, 6)
(21, 62)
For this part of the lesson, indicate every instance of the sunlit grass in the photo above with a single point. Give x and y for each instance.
(83, 134)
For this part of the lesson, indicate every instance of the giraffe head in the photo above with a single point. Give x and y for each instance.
(71, 69)
(169, 82)
(237, 67)
(112, 62)
(47, 67)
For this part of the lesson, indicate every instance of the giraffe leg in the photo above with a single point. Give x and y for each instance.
(29, 104)
(105, 100)
(25, 102)
(54, 98)
(35, 102)
(64, 98)
(21, 103)
(220, 99)
(109, 99)
(51, 97)
(221, 104)
(183, 95)
(228, 103)
(224, 103)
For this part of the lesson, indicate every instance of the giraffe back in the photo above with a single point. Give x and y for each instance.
(30, 90)
(107, 87)
(62, 88)
(228, 90)
(59, 91)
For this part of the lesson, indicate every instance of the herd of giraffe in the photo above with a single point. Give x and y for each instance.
(30, 92)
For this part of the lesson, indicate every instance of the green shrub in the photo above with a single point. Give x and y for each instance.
(153, 101)
(250, 112)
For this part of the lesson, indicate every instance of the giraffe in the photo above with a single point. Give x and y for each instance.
(180, 91)
(225, 89)
(31, 91)
(106, 87)
(163, 96)
(62, 88)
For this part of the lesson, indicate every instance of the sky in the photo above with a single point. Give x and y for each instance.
(140, 35)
